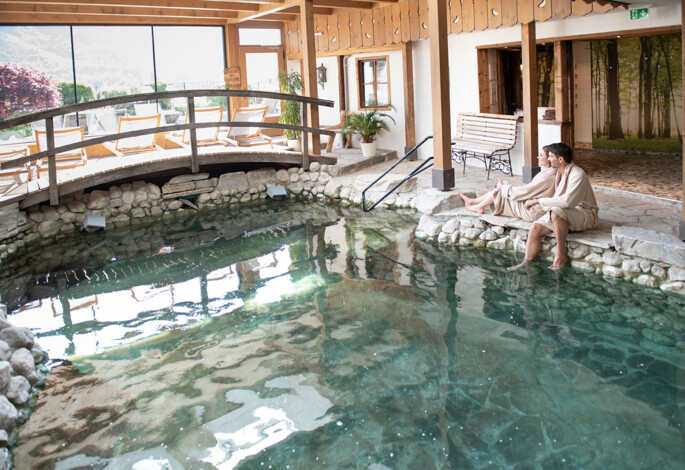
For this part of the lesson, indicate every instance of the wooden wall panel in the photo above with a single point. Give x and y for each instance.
(467, 15)
(526, 11)
(481, 14)
(580, 8)
(356, 29)
(414, 21)
(387, 20)
(544, 12)
(561, 8)
(344, 30)
(367, 28)
(333, 32)
(405, 28)
(396, 24)
(424, 31)
(378, 27)
(483, 81)
(455, 14)
(321, 28)
(495, 13)
(509, 13)
(597, 8)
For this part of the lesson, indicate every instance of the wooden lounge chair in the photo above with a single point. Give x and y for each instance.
(248, 136)
(206, 135)
(131, 145)
(69, 159)
(10, 178)
(344, 143)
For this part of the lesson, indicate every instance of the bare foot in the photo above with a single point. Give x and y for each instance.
(558, 263)
(475, 208)
(467, 200)
(524, 264)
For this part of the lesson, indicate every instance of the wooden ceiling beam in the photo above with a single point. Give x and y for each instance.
(85, 10)
(175, 4)
(344, 4)
(266, 10)
(32, 18)
(322, 11)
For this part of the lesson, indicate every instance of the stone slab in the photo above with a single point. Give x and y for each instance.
(187, 178)
(432, 201)
(178, 187)
(188, 193)
(649, 244)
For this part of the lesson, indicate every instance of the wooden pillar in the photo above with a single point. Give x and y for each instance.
(530, 101)
(682, 30)
(342, 90)
(233, 60)
(409, 116)
(443, 173)
(309, 69)
(562, 97)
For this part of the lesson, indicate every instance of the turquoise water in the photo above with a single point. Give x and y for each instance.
(314, 337)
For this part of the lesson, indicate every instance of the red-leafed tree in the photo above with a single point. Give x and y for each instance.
(25, 89)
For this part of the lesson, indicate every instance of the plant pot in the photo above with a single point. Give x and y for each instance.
(295, 144)
(369, 150)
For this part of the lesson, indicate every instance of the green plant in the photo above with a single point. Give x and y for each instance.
(368, 124)
(291, 84)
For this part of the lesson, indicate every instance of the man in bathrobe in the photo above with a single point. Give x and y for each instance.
(573, 207)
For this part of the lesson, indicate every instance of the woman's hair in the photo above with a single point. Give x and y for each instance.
(546, 149)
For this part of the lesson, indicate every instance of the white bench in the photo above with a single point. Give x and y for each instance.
(486, 137)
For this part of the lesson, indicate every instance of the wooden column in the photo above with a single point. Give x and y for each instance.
(530, 101)
(233, 60)
(342, 91)
(562, 97)
(682, 26)
(309, 69)
(409, 116)
(443, 173)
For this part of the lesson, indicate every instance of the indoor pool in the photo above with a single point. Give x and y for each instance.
(292, 336)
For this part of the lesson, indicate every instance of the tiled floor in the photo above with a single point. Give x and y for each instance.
(651, 174)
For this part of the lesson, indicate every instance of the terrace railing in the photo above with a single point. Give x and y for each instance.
(190, 95)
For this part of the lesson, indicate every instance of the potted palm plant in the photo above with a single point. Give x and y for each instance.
(368, 125)
(291, 84)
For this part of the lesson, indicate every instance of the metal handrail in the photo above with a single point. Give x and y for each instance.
(422, 167)
(190, 96)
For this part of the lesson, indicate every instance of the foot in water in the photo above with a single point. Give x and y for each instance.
(558, 263)
(524, 264)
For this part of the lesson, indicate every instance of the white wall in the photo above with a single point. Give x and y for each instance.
(463, 65)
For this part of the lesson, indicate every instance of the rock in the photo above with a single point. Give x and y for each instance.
(429, 225)
(37, 353)
(246, 197)
(612, 271)
(68, 217)
(451, 226)
(454, 238)
(443, 237)
(205, 184)
(304, 177)
(676, 274)
(189, 177)
(584, 265)
(77, 206)
(236, 181)
(18, 390)
(139, 190)
(265, 176)
(631, 266)
(658, 272)
(646, 280)
(17, 337)
(332, 189)
(315, 166)
(128, 197)
(204, 198)
(282, 175)
(673, 287)
(36, 216)
(22, 362)
(470, 233)
(334, 170)
(174, 205)
(4, 442)
(594, 259)
(649, 244)
(3, 312)
(5, 375)
(296, 188)
(500, 244)
(612, 258)
(154, 191)
(578, 253)
(324, 178)
(50, 213)
(137, 213)
(345, 192)
(121, 220)
(114, 192)
(499, 230)
(488, 235)
(8, 414)
(5, 352)
(98, 199)
(645, 266)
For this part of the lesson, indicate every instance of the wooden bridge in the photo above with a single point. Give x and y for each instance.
(168, 158)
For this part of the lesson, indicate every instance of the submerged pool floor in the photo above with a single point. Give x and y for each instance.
(306, 336)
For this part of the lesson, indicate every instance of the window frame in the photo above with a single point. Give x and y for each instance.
(375, 83)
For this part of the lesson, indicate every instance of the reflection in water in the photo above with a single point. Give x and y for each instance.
(314, 337)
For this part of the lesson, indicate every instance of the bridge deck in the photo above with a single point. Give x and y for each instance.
(108, 169)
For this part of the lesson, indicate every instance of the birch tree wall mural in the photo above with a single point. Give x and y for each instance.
(637, 94)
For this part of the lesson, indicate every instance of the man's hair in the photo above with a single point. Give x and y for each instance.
(560, 149)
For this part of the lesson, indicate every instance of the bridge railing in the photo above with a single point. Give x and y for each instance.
(49, 115)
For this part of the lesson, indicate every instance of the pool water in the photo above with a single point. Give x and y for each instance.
(306, 336)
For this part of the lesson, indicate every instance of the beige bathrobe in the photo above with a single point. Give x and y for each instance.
(510, 201)
(573, 200)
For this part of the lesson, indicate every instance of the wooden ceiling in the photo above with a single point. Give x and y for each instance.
(198, 12)
(208, 12)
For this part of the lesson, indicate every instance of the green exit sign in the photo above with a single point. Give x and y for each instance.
(639, 14)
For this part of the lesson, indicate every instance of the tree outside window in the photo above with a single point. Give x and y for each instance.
(373, 82)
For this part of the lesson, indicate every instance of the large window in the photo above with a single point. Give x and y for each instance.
(373, 82)
(262, 57)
